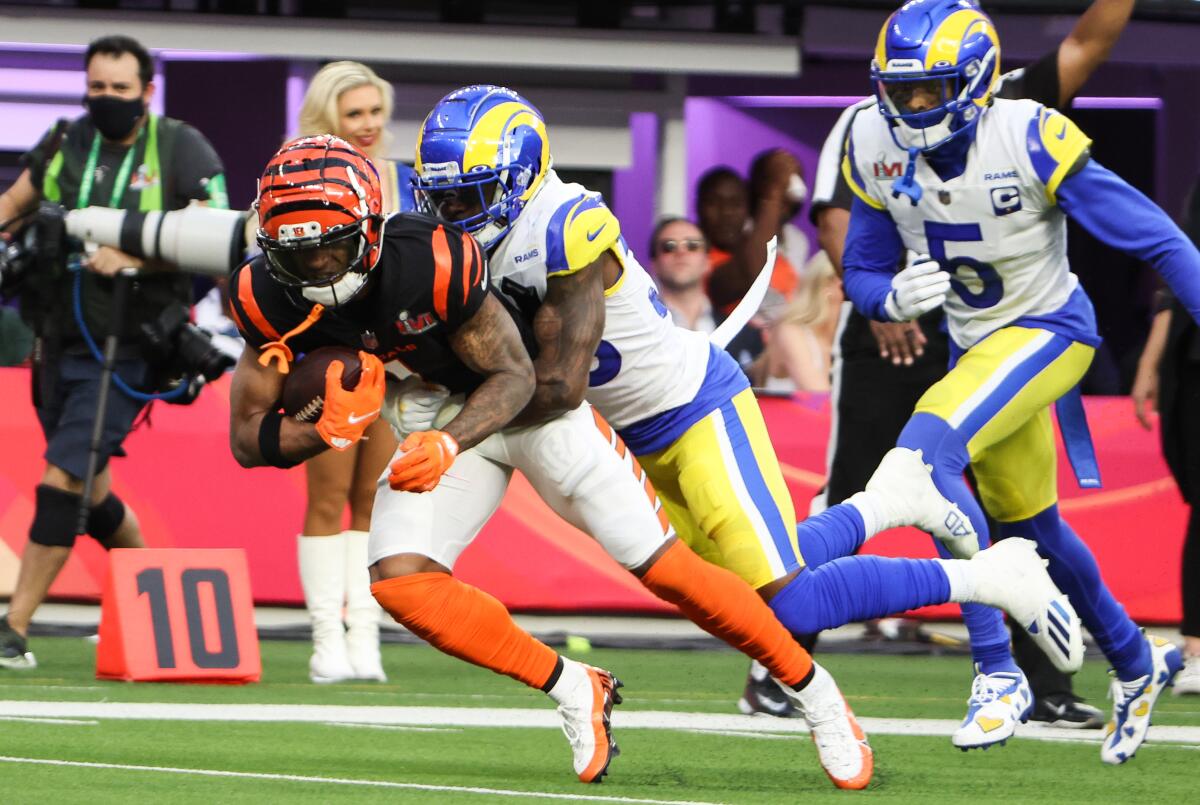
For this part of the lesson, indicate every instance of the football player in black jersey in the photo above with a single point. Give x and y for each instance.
(416, 290)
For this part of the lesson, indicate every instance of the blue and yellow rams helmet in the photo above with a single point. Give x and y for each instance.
(481, 156)
(934, 67)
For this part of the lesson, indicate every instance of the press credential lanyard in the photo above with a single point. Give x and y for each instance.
(120, 184)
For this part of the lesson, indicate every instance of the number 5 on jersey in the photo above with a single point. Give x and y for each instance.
(937, 234)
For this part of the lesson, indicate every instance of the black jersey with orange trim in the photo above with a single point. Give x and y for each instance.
(430, 279)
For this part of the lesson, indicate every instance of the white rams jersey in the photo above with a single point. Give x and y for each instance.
(645, 364)
(996, 227)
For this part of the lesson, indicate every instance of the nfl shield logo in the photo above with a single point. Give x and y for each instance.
(370, 342)
(944, 196)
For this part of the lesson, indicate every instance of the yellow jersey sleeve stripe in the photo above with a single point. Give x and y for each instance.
(580, 231)
(1054, 144)
(852, 180)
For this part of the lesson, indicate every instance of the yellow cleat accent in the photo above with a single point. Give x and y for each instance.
(1006, 699)
(989, 724)
(1142, 709)
(1109, 728)
(1158, 641)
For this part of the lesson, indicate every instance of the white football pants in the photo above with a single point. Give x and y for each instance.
(575, 463)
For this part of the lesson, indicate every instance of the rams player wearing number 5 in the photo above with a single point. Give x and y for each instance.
(985, 190)
(683, 407)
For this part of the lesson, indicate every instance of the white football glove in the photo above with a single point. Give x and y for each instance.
(916, 290)
(412, 406)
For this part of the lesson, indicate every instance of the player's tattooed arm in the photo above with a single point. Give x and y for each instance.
(489, 344)
(253, 394)
(567, 329)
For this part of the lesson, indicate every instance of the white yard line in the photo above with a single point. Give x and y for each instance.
(74, 722)
(526, 717)
(398, 727)
(300, 778)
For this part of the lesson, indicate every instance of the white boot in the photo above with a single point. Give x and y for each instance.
(322, 560)
(902, 492)
(362, 611)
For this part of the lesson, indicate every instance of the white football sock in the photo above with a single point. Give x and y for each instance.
(573, 675)
(961, 574)
(871, 510)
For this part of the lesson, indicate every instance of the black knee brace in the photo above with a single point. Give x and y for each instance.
(54, 518)
(105, 518)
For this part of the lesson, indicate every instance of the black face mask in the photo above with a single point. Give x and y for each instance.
(114, 117)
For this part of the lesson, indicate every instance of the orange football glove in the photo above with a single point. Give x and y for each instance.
(426, 457)
(346, 414)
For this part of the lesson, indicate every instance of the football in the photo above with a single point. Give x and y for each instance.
(304, 387)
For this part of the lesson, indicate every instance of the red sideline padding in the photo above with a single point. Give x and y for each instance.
(188, 492)
(178, 615)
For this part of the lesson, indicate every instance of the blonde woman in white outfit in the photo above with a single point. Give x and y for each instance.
(347, 99)
(800, 340)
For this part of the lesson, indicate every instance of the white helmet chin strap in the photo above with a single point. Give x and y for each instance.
(335, 293)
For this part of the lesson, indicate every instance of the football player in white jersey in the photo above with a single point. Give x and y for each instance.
(982, 186)
(681, 405)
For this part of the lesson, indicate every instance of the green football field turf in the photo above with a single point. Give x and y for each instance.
(664, 765)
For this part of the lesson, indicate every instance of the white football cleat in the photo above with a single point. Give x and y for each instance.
(587, 723)
(998, 702)
(841, 743)
(1133, 702)
(903, 487)
(1012, 576)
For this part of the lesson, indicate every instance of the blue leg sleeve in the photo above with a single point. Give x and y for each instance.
(942, 447)
(856, 588)
(838, 531)
(1074, 570)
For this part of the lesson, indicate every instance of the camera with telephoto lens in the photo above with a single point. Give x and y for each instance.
(180, 352)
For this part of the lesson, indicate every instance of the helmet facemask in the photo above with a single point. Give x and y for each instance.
(329, 268)
(484, 202)
(928, 108)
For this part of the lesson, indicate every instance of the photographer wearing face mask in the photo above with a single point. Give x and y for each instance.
(122, 156)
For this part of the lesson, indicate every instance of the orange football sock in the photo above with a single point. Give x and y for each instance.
(723, 605)
(465, 622)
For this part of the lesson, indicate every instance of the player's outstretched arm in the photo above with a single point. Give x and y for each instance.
(567, 328)
(1089, 43)
(1121, 216)
(489, 344)
(258, 434)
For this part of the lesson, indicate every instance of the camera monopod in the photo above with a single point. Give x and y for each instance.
(121, 284)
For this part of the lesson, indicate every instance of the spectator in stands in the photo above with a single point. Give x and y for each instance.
(1168, 381)
(123, 156)
(800, 339)
(347, 99)
(737, 249)
(793, 243)
(737, 241)
(680, 262)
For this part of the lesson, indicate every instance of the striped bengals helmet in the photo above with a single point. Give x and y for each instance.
(319, 217)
